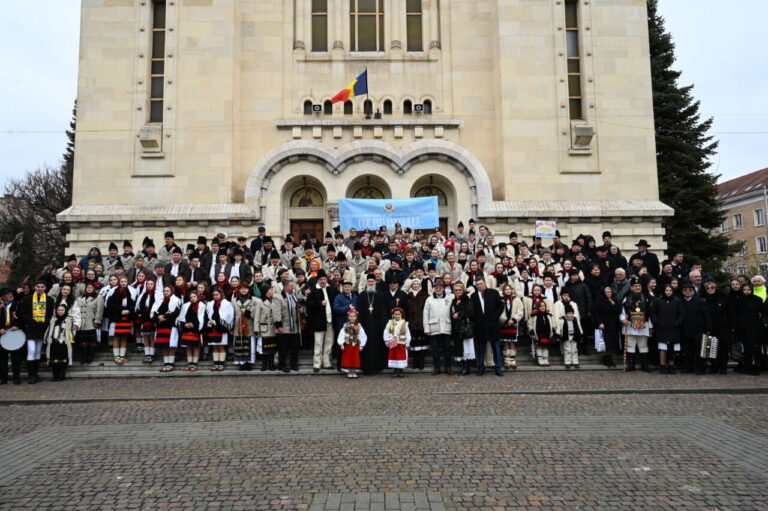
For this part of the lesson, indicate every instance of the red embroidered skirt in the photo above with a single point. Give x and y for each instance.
(124, 326)
(398, 357)
(350, 358)
(163, 336)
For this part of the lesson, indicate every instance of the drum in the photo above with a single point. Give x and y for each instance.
(13, 340)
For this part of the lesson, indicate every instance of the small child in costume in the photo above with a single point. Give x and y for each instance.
(397, 337)
(352, 339)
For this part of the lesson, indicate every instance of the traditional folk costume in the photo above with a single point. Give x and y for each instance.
(264, 320)
(571, 335)
(352, 339)
(636, 308)
(542, 333)
(166, 334)
(121, 325)
(244, 343)
(91, 313)
(397, 337)
(146, 326)
(219, 316)
(510, 317)
(8, 320)
(415, 303)
(191, 337)
(103, 333)
(35, 313)
(59, 341)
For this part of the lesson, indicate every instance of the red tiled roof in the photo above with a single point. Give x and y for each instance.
(744, 184)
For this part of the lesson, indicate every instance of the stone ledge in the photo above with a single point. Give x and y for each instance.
(426, 120)
(169, 213)
(576, 209)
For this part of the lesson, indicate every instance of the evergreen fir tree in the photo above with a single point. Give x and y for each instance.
(682, 151)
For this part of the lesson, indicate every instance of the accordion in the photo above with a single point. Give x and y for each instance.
(708, 347)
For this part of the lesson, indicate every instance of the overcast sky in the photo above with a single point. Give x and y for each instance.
(720, 48)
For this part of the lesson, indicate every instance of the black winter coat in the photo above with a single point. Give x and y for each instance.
(667, 315)
(720, 313)
(696, 320)
(581, 296)
(487, 327)
(607, 313)
(316, 313)
(750, 314)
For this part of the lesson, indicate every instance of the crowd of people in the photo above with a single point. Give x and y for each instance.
(376, 299)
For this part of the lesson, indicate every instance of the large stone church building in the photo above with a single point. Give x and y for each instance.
(202, 116)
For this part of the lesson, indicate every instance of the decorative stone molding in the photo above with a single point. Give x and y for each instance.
(338, 45)
(333, 211)
(396, 45)
(151, 213)
(298, 45)
(434, 44)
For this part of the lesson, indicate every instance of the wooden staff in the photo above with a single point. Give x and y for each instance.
(625, 353)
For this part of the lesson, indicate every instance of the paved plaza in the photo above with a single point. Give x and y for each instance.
(538, 440)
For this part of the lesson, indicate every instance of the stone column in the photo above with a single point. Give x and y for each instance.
(301, 21)
(337, 24)
(432, 12)
(393, 24)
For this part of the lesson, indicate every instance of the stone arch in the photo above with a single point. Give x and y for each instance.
(399, 160)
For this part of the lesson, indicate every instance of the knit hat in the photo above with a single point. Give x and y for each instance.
(201, 240)
(169, 234)
(127, 243)
(112, 245)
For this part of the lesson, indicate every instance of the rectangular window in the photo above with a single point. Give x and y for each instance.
(741, 269)
(759, 217)
(319, 25)
(724, 227)
(414, 25)
(761, 245)
(727, 269)
(366, 27)
(737, 224)
(743, 250)
(157, 65)
(575, 96)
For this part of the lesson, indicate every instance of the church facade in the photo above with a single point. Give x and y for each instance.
(204, 116)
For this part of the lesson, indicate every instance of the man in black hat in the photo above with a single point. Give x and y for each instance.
(242, 247)
(488, 307)
(257, 241)
(395, 297)
(150, 255)
(111, 259)
(261, 257)
(341, 246)
(556, 242)
(287, 251)
(273, 266)
(351, 240)
(177, 267)
(320, 316)
(460, 234)
(196, 274)
(650, 260)
(323, 252)
(9, 322)
(240, 267)
(636, 318)
(127, 256)
(204, 254)
(358, 262)
(607, 240)
(696, 322)
(166, 251)
(69, 265)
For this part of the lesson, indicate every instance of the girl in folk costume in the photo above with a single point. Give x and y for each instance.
(146, 326)
(415, 301)
(244, 343)
(511, 315)
(462, 313)
(180, 288)
(569, 331)
(105, 292)
(121, 307)
(91, 306)
(264, 320)
(164, 312)
(59, 339)
(352, 339)
(221, 284)
(67, 299)
(397, 337)
(524, 284)
(190, 323)
(219, 316)
(542, 332)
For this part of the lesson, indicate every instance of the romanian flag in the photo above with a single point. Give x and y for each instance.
(358, 87)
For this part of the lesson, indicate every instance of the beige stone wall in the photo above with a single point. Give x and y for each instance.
(497, 67)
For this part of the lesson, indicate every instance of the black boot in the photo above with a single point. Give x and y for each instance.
(465, 367)
(263, 362)
(644, 363)
(630, 361)
(31, 368)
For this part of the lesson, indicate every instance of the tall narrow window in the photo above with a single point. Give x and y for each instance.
(368, 107)
(157, 62)
(575, 100)
(366, 25)
(319, 25)
(308, 107)
(387, 107)
(414, 25)
(407, 107)
(427, 106)
(347, 108)
(328, 107)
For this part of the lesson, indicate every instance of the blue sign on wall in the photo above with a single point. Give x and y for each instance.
(418, 213)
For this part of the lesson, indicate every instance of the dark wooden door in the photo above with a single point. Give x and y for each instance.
(301, 227)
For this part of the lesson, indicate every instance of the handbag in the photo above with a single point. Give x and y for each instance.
(467, 330)
(599, 341)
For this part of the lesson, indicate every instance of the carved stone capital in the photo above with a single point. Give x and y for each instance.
(434, 44)
(396, 45)
(298, 45)
(338, 45)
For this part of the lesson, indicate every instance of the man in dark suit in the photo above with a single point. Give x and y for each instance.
(488, 307)
(178, 266)
(194, 273)
(650, 260)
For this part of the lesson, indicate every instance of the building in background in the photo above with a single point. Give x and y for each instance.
(215, 115)
(744, 201)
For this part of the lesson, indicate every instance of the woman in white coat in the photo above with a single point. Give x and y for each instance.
(437, 327)
(219, 319)
(164, 313)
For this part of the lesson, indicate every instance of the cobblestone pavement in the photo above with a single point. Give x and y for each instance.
(421, 443)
